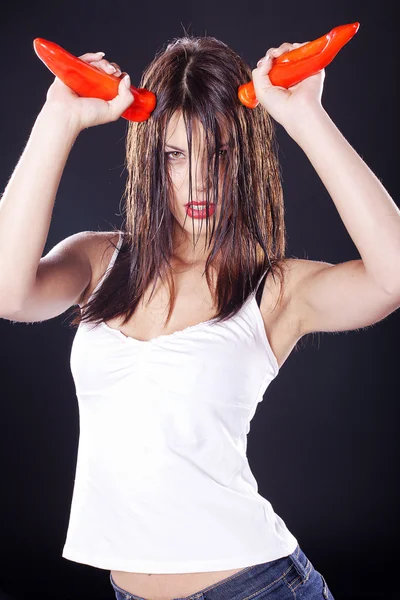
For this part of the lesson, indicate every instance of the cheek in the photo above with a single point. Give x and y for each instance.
(177, 175)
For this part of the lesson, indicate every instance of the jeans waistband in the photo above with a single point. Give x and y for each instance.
(250, 581)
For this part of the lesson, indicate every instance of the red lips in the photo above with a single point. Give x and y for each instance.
(198, 203)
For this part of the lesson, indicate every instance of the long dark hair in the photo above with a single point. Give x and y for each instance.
(198, 77)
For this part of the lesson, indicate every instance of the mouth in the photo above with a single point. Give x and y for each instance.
(198, 210)
(198, 203)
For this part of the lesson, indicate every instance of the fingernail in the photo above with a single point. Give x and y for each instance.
(263, 60)
(127, 81)
(101, 54)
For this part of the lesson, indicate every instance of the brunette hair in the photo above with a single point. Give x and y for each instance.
(198, 77)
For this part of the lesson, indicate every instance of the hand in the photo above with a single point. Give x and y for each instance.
(286, 106)
(88, 112)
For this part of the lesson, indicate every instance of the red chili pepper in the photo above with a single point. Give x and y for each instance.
(88, 81)
(298, 64)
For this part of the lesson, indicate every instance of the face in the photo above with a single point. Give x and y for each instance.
(177, 159)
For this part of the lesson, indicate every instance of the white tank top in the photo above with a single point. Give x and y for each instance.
(162, 482)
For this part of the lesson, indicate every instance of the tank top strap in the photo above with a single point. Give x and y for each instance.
(260, 288)
(111, 263)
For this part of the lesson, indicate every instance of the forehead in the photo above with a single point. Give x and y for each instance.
(176, 130)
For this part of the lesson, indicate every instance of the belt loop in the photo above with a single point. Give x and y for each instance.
(301, 569)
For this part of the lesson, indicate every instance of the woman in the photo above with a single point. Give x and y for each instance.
(182, 321)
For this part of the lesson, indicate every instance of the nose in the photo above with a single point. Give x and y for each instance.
(199, 172)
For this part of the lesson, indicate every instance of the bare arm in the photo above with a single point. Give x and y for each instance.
(27, 204)
(64, 276)
(31, 286)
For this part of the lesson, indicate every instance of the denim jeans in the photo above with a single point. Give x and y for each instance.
(292, 577)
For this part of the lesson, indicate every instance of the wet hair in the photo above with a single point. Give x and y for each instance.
(198, 78)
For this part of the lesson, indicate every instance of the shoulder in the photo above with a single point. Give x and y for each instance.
(280, 301)
(282, 293)
(281, 306)
(99, 247)
(104, 244)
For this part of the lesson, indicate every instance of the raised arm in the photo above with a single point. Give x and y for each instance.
(28, 200)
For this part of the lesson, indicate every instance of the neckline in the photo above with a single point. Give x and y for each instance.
(129, 338)
(177, 333)
(252, 301)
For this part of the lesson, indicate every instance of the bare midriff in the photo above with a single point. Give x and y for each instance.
(168, 586)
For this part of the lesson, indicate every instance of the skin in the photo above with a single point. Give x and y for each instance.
(185, 251)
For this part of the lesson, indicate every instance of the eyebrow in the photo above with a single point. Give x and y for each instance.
(180, 149)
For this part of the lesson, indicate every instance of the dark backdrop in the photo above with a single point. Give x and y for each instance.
(323, 443)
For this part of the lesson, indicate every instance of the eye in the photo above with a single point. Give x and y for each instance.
(169, 154)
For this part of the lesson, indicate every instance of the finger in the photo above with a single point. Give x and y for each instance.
(121, 102)
(118, 68)
(260, 73)
(105, 65)
(92, 56)
(265, 63)
(285, 47)
(97, 60)
(263, 84)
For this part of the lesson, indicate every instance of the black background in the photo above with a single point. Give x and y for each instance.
(323, 444)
